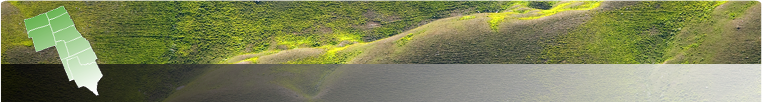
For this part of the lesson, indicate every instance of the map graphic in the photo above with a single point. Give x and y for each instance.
(55, 28)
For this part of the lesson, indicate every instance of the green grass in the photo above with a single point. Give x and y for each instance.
(193, 32)
(12, 30)
(252, 60)
(497, 18)
(633, 34)
(587, 5)
(345, 36)
(404, 40)
(734, 13)
(719, 38)
(115, 39)
(333, 55)
(467, 17)
(196, 32)
(522, 7)
(294, 41)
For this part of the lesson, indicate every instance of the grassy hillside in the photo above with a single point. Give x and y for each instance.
(521, 32)
(120, 32)
(517, 32)
(568, 32)
(188, 32)
(11, 33)
(729, 36)
(636, 34)
(456, 30)
(612, 33)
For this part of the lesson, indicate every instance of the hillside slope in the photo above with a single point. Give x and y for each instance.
(730, 36)
(565, 32)
(187, 32)
(616, 32)
(504, 37)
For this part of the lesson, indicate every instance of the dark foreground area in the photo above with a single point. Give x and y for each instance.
(391, 82)
(120, 82)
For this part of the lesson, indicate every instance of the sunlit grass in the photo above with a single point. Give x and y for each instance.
(402, 41)
(496, 18)
(252, 60)
(521, 7)
(623, 37)
(467, 17)
(333, 55)
(294, 41)
(565, 7)
(515, 3)
(345, 36)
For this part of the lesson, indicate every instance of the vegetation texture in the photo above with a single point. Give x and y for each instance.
(187, 32)
(375, 32)
(644, 33)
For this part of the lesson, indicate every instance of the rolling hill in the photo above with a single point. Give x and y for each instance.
(513, 32)
(614, 33)
(367, 32)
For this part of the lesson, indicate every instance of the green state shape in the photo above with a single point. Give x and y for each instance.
(42, 38)
(35, 22)
(63, 53)
(67, 35)
(66, 68)
(87, 55)
(55, 28)
(85, 73)
(56, 12)
(61, 22)
(77, 46)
